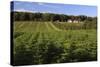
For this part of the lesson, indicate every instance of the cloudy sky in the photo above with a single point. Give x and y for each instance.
(68, 9)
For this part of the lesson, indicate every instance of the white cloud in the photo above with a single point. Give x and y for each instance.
(47, 12)
(22, 10)
(19, 10)
(39, 3)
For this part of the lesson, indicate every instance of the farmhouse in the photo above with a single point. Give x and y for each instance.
(72, 21)
(69, 21)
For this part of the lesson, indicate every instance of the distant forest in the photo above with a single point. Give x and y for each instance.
(26, 16)
(87, 22)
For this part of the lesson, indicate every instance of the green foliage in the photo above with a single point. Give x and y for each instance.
(26, 16)
(40, 43)
(16, 34)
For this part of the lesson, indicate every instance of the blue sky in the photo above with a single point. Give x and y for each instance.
(68, 9)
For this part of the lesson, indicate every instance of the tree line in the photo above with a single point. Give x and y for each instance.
(26, 16)
(88, 22)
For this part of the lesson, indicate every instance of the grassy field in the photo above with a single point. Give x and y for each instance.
(45, 43)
